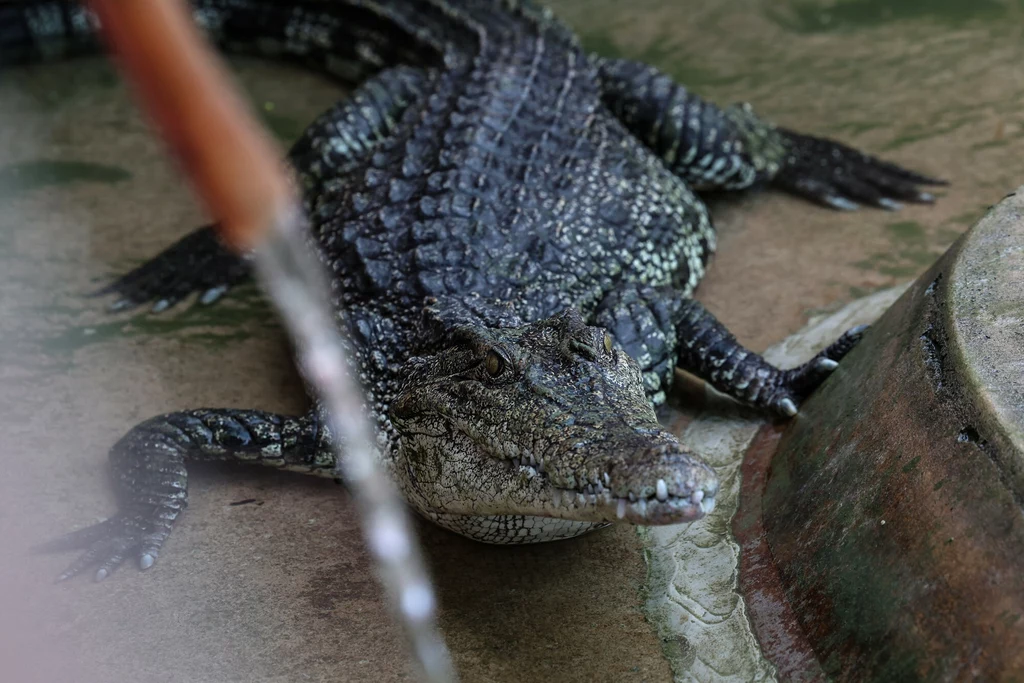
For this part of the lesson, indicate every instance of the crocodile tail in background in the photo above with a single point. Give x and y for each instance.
(348, 39)
(33, 32)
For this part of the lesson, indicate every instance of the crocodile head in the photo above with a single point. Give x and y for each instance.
(547, 419)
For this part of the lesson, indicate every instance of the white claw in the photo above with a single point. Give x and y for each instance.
(661, 490)
(841, 203)
(212, 294)
(827, 364)
(788, 407)
(620, 511)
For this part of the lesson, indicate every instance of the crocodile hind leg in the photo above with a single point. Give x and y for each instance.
(150, 478)
(662, 329)
(198, 262)
(733, 148)
(330, 147)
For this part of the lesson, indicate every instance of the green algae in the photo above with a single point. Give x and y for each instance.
(285, 128)
(907, 231)
(665, 53)
(26, 176)
(854, 128)
(239, 316)
(917, 133)
(866, 602)
(811, 16)
(912, 249)
(50, 87)
(602, 43)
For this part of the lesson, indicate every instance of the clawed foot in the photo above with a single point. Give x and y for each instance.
(794, 385)
(109, 543)
(838, 176)
(196, 263)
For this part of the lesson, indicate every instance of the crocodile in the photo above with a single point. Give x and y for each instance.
(513, 233)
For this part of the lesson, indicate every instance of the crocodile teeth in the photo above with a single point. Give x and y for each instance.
(607, 480)
(661, 490)
(641, 507)
(632, 497)
(556, 498)
(696, 497)
(620, 512)
(540, 466)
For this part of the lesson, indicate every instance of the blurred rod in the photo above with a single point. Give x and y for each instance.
(240, 175)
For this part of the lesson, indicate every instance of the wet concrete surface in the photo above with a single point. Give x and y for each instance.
(280, 589)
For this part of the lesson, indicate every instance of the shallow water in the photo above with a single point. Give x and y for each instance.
(269, 591)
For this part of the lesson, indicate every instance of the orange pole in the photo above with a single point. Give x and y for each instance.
(233, 164)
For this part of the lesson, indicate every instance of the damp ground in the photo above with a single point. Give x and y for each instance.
(280, 588)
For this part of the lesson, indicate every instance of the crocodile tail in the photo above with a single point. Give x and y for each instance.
(33, 32)
(348, 39)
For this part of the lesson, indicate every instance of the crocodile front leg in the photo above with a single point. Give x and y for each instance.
(707, 349)
(733, 148)
(661, 329)
(151, 481)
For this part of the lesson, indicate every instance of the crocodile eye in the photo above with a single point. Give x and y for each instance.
(607, 342)
(494, 363)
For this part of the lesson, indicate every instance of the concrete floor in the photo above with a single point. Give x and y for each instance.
(280, 589)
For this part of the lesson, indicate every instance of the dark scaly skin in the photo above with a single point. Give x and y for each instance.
(489, 201)
(150, 477)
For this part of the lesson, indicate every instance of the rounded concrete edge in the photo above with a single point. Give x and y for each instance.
(986, 323)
